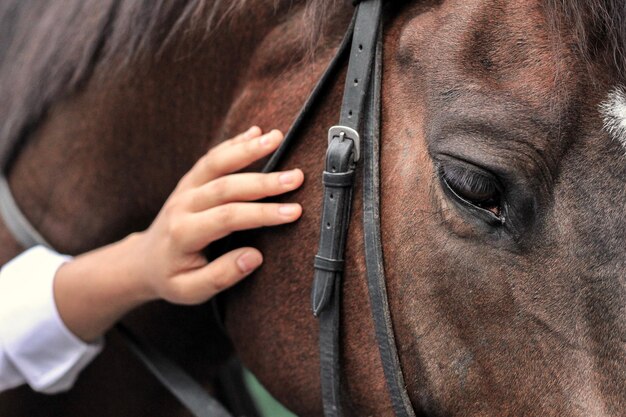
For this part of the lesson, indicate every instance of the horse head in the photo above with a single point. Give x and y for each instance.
(502, 179)
(502, 174)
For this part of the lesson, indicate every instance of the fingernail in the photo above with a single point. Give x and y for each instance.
(267, 139)
(251, 133)
(288, 209)
(287, 178)
(248, 261)
(271, 138)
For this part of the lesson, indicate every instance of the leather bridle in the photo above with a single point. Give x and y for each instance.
(355, 139)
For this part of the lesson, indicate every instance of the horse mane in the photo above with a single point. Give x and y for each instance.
(599, 29)
(48, 49)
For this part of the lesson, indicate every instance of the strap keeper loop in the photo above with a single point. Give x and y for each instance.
(338, 179)
(326, 264)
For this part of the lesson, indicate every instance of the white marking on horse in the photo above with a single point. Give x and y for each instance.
(613, 111)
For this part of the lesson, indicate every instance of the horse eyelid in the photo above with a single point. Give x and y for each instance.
(473, 182)
(494, 215)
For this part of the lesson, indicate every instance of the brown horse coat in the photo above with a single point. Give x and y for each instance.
(526, 318)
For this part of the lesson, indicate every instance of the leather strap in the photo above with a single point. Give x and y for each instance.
(360, 65)
(338, 181)
(338, 178)
(327, 281)
(307, 108)
(178, 382)
(190, 393)
(373, 249)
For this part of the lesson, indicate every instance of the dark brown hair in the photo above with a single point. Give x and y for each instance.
(599, 28)
(49, 48)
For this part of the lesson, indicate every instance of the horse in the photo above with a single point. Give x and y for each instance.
(502, 189)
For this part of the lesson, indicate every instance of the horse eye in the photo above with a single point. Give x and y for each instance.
(478, 189)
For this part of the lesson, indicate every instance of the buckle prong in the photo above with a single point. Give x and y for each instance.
(345, 132)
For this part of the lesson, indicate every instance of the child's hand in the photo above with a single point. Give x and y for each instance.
(207, 205)
(96, 289)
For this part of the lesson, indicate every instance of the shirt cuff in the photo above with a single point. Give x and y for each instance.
(32, 334)
(9, 376)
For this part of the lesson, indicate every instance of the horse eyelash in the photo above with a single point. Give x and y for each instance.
(478, 183)
(466, 179)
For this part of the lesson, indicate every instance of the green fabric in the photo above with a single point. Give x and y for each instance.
(266, 404)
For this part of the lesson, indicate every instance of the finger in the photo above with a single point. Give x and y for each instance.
(253, 132)
(224, 160)
(243, 187)
(205, 227)
(199, 285)
(189, 181)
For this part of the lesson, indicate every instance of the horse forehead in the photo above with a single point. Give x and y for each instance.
(493, 45)
(515, 17)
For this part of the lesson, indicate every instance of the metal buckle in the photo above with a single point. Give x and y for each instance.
(345, 132)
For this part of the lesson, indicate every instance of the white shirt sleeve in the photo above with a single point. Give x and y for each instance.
(35, 345)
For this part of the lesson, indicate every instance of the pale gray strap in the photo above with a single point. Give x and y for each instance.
(21, 229)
